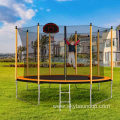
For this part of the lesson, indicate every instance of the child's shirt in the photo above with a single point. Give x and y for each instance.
(71, 48)
(72, 45)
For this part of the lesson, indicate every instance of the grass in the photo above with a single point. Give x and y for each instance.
(27, 108)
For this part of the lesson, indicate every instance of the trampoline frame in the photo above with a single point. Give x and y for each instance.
(38, 58)
(61, 81)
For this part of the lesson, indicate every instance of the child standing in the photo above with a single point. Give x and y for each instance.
(71, 56)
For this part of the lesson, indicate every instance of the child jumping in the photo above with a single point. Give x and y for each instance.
(71, 57)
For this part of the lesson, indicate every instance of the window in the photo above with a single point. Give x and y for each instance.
(108, 43)
(107, 56)
(114, 42)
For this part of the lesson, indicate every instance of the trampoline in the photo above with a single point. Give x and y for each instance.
(45, 52)
(60, 79)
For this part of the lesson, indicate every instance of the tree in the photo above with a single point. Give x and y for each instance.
(20, 50)
(72, 37)
(43, 46)
(43, 42)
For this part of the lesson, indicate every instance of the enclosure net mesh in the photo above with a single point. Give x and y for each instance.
(58, 50)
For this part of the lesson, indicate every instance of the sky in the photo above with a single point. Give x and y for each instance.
(103, 13)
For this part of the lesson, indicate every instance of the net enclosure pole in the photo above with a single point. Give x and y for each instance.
(65, 53)
(38, 62)
(16, 30)
(27, 51)
(49, 54)
(111, 58)
(98, 53)
(98, 56)
(90, 53)
(38, 55)
(27, 55)
(76, 53)
(111, 53)
(90, 63)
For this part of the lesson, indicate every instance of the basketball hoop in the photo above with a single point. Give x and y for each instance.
(50, 28)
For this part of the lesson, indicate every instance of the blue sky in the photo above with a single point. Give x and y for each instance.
(99, 12)
(104, 13)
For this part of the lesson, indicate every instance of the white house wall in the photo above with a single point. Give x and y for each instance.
(107, 36)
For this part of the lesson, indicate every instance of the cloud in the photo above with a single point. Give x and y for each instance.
(9, 3)
(48, 10)
(6, 3)
(114, 24)
(29, 1)
(22, 12)
(63, 0)
(7, 37)
(12, 13)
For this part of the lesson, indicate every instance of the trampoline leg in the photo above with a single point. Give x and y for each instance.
(111, 88)
(99, 86)
(59, 97)
(69, 99)
(38, 94)
(90, 95)
(16, 89)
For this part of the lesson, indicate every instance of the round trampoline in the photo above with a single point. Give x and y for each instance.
(63, 55)
(70, 79)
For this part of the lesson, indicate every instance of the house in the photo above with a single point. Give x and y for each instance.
(118, 36)
(106, 39)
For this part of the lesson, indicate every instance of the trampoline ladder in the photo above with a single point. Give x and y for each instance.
(60, 100)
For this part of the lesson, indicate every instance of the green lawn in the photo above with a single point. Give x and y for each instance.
(26, 106)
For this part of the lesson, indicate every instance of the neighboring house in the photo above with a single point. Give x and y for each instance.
(118, 36)
(61, 48)
(106, 38)
(116, 47)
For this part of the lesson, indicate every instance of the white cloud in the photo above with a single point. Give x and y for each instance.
(22, 12)
(63, 0)
(30, 13)
(6, 3)
(29, 1)
(7, 31)
(114, 24)
(48, 10)
(7, 37)
(19, 9)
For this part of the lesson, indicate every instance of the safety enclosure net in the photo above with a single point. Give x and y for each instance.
(55, 57)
